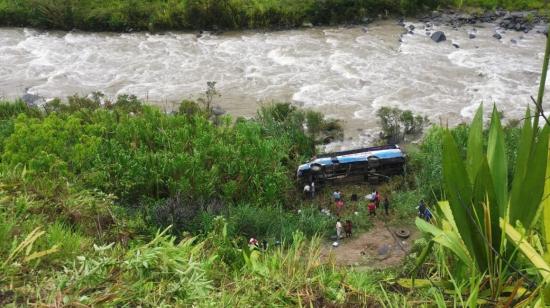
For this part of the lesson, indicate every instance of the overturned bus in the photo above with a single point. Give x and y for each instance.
(373, 163)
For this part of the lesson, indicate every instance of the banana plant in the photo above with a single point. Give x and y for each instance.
(479, 195)
(478, 189)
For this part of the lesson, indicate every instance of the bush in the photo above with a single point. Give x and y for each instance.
(397, 124)
(273, 223)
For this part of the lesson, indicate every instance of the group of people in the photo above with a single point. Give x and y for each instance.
(375, 200)
(309, 190)
(347, 228)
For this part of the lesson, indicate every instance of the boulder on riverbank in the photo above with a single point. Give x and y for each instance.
(32, 99)
(520, 21)
(517, 21)
(438, 37)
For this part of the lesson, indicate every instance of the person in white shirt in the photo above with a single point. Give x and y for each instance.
(307, 190)
(338, 229)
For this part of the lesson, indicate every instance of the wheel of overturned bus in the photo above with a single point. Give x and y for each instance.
(402, 233)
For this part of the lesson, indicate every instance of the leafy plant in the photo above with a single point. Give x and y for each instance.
(397, 124)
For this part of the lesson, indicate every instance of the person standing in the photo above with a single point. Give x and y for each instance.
(386, 205)
(339, 206)
(337, 196)
(312, 189)
(253, 243)
(377, 198)
(348, 228)
(372, 208)
(427, 214)
(338, 229)
(307, 191)
(421, 208)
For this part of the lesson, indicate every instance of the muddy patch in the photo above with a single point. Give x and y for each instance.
(378, 248)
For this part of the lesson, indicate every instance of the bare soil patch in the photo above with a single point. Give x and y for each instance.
(377, 248)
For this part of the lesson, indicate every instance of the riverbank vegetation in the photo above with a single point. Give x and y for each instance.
(159, 15)
(107, 203)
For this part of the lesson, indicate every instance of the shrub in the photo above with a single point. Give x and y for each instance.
(397, 124)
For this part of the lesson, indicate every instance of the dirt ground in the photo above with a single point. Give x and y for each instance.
(377, 248)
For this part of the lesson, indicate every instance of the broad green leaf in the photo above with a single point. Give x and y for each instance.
(475, 145)
(524, 149)
(459, 189)
(545, 204)
(414, 283)
(448, 214)
(525, 198)
(485, 205)
(496, 156)
(447, 238)
(519, 241)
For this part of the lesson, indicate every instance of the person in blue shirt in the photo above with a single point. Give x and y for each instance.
(427, 214)
(421, 209)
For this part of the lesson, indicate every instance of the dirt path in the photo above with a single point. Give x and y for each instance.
(378, 248)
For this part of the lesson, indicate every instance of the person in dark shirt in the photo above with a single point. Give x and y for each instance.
(386, 205)
(421, 209)
(348, 228)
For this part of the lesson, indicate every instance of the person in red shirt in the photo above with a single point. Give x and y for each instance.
(376, 198)
(339, 206)
(372, 209)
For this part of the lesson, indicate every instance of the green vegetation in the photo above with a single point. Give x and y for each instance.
(85, 189)
(114, 203)
(158, 15)
(397, 124)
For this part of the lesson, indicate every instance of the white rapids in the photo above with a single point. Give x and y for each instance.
(347, 73)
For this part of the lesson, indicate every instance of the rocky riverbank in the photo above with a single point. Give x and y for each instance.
(503, 20)
(516, 21)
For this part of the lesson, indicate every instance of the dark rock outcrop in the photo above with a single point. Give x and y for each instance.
(438, 37)
(520, 21)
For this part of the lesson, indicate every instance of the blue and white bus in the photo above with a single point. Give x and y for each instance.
(373, 163)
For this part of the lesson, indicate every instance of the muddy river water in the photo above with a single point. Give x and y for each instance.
(347, 73)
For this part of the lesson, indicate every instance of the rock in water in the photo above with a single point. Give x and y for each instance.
(438, 37)
(472, 36)
(497, 36)
(514, 41)
(411, 27)
(218, 111)
(456, 45)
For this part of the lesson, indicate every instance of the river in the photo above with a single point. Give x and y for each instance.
(347, 73)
